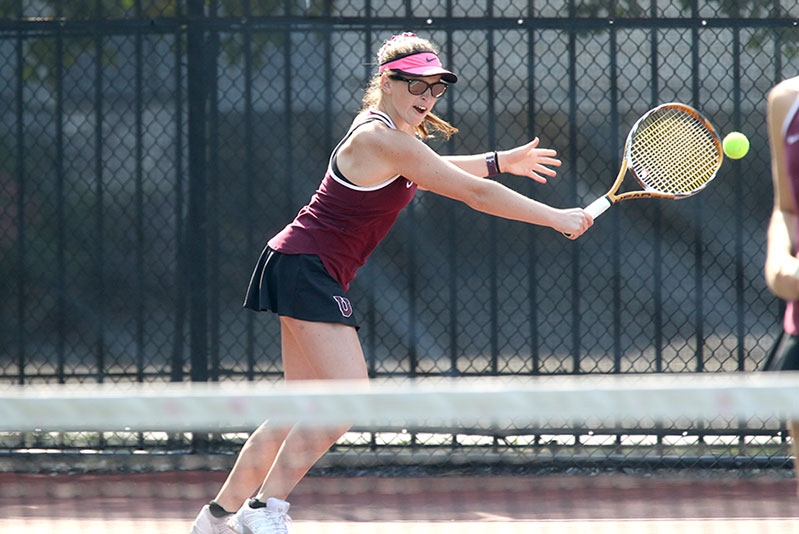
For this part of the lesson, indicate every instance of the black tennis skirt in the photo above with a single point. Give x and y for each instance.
(785, 354)
(298, 286)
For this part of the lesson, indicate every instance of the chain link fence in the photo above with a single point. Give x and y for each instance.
(149, 149)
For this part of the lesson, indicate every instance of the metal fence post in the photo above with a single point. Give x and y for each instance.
(196, 230)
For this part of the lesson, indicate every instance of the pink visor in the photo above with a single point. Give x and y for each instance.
(419, 64)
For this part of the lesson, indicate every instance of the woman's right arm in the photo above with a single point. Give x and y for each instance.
(414, 160)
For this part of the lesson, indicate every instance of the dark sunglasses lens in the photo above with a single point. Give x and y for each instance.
(438, 89)
(417, 87)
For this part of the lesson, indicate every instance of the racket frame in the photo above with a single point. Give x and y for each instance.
(600, 205)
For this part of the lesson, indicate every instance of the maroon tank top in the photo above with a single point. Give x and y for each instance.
(343, 222)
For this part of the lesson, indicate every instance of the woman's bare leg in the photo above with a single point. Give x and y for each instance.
(311, 351)
(251, 467)
(319, 351)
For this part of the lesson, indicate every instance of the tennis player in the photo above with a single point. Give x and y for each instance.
(782, 252)
(305, 270)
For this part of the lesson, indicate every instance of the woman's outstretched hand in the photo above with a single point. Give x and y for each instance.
(530, 160)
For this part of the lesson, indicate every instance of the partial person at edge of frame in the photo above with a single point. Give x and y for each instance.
(305, 270)
(782, 247)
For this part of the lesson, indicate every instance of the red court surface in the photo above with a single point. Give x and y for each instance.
(167, 502)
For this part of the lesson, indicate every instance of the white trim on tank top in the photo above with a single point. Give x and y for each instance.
(384, 118)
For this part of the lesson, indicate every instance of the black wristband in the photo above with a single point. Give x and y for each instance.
(492, 163)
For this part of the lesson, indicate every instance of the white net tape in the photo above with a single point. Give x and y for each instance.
(241, 406)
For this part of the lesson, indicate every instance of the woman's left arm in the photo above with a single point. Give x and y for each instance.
(527, 160)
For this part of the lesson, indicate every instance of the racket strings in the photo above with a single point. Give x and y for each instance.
(672, 151)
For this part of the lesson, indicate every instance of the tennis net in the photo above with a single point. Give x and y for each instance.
(615, 452)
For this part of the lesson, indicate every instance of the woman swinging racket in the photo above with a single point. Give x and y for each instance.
(305, 270)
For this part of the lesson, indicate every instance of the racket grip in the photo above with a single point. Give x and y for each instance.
(595, 209)
(598, 207)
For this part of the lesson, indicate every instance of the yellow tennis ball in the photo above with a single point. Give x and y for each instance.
(735, 145)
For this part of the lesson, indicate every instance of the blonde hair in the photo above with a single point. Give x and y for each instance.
(398, 46)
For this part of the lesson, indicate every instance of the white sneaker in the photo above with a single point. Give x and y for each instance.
(270, 519)
(206, 523)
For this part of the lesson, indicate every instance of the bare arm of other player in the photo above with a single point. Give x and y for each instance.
(782, 267)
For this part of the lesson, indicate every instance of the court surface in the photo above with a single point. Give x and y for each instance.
(613, 503)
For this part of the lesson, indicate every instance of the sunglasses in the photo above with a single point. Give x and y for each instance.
(420, 87)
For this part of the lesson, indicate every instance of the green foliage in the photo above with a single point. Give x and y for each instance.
(624, 8)
(735, 8)
(118, 9)
(87, 9)
(759, 39)
(641, 8)
(40, 52)
(8, 9)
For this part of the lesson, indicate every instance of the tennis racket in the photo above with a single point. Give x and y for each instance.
(673, 152)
